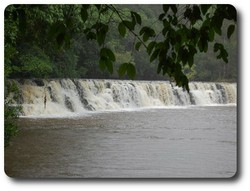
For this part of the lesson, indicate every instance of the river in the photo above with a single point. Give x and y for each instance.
(171, 142)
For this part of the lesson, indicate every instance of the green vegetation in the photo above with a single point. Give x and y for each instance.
(150, 42)
(11, 111)
(94, 41)
(10, 126)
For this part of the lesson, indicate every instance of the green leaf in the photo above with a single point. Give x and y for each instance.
(130, 25)
(217, 30)
(122, 29)
(107, 53)
(192, 50)
(136, 17)
(225, 58)
(185, 57)
(217, 46)
(165, 8)
(150, 47)
(191, 53)
(91, 36)
(211, 35)
(145, 37)
(150, 32)
(154, 55)
(204, 8)
(188, 13)
(138, 45)
(216, 23)
(142, 31)
(175, 21)
(173, 8)
(184, 81)
(190, 60)
(84, 13)
(223, 53)
(122, 69)
(232, 12)
(106, 63)
(196, 13)
(131, 70)
(179, 55)
(159, 67)
(111, 55)
(101, 31)
(161, 16)
(102, 63)
(230, 31)
(147, 32)
(162, 55)
(203, 45)
(100, 37)
(109, 65)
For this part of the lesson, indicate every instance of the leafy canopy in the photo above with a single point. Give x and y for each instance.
(185, 31)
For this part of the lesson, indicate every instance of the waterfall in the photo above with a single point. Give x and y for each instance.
(70, 96)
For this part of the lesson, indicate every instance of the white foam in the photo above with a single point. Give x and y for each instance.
(69, 98)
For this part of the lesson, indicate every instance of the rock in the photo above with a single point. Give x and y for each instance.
(68, 103)
(39, 82)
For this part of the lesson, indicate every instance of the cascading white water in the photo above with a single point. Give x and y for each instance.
(66, 96)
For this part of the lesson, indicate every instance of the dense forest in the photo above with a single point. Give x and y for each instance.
(35, 48)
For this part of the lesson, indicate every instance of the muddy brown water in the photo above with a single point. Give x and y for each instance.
(188, 142)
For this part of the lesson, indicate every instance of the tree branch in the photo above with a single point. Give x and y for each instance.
(136, 35)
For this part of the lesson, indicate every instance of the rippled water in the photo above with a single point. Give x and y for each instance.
(178, 142)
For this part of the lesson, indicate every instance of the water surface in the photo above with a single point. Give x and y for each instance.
(152, 143)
